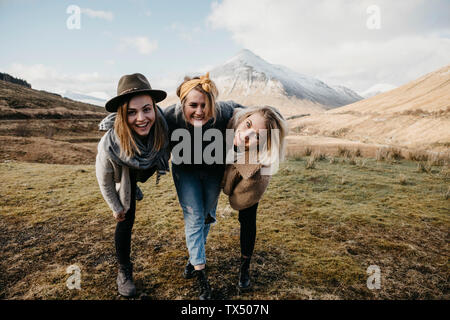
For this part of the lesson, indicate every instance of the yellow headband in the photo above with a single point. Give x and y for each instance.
(206, 83)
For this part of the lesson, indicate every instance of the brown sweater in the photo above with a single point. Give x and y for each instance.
(244, 184)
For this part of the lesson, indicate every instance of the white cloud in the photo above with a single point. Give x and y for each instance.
(32, 73)
(106, 15)
(50, 79)
(186, 33)
(42, 77)
(142, 44)
(204, 69)
(376, 89)
(329, 39)
(167, 83)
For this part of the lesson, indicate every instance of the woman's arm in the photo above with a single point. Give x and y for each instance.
(105, 177)
(230, 179)
(229, 108)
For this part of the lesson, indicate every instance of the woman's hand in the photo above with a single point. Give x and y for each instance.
(119, 216)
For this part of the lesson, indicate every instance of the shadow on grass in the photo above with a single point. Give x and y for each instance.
(266, 269)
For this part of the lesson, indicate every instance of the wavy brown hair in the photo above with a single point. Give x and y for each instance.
(128, 146)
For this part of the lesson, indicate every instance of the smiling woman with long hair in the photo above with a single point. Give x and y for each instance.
(133, 149)
(259, 134)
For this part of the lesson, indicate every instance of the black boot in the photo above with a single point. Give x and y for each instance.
(188, 272)
(244, 276)
(202, 282)
(125, 283)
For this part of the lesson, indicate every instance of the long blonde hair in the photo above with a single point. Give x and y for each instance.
(272, 151)
(211, 96)
(128, 146)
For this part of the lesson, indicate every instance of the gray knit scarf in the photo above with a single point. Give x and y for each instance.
(147, 158)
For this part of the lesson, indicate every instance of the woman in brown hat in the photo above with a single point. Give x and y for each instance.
(133, 149)
(259, 134)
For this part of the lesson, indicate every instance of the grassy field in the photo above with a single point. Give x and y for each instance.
(55, 141)
(319, 229)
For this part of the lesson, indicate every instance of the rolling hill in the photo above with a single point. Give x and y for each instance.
(39, 126)
(415, 115)
(19, 102)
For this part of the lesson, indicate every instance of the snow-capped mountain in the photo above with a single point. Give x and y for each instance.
(352, 95)
(95, 98)
(377, 89)
(248, 78)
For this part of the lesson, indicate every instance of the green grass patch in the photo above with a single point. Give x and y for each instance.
(318, 232)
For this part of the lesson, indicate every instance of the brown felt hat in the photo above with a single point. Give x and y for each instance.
(132, 84)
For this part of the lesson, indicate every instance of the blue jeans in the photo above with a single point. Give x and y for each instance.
(198, 192)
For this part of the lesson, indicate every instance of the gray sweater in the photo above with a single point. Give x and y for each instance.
(113, 179)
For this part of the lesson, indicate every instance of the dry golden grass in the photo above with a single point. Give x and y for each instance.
(427, 95)
(19, 102)
(61, 141)
(318, 231)
(414, 116)
(389, 154)
(37, 126)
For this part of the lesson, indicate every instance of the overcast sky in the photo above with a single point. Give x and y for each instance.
(356, 43)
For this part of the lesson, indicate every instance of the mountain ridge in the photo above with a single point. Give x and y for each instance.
(249, 67)
(85, 98)
(250, 80)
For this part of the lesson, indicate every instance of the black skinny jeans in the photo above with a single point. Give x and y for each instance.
(247, 219)
(122, 236)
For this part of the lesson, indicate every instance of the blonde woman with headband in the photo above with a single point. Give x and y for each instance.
(259, 134)
(197, 179)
